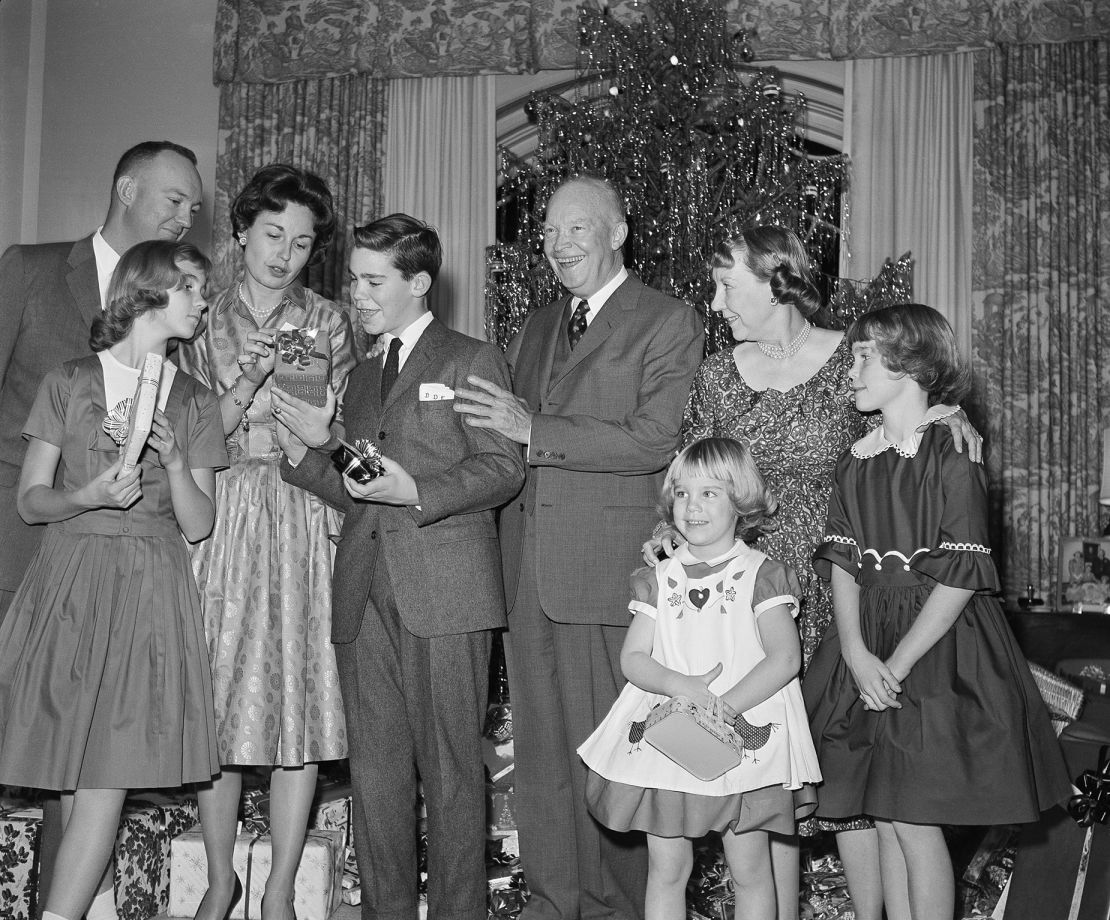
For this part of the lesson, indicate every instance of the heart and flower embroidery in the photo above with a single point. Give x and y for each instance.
(698, 599)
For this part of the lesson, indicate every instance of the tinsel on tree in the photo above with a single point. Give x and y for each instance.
(698, 142)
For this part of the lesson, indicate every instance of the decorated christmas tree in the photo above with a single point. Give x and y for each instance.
(699, 143)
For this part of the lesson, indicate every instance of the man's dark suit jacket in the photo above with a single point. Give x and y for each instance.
(49, 296)
(442, 557)
(607, 425)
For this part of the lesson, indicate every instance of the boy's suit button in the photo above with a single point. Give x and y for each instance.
(373, 535)
(381, 435)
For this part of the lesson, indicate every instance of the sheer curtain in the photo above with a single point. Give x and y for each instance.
(909, 137)
(333, 127)
(439, 166)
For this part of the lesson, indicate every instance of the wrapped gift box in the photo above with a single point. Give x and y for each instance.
(1062, 866)
(20, 833)
(303, 363)
(979, 890)
(147, 828)
(331, 810)
(318, 886)
(500, 818)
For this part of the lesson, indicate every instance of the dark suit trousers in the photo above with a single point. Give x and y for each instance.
(412, 705)
(563, 678)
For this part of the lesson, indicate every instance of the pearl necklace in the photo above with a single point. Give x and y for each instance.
(260, 316)
(778, 352)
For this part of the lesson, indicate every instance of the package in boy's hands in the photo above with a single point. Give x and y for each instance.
(302, 364)
(362, 461)
(698, 739)
(141, 419)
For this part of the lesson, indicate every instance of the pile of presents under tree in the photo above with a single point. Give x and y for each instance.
(160, 867)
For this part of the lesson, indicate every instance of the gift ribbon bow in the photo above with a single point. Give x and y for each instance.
(1092, 804)
(256, 805)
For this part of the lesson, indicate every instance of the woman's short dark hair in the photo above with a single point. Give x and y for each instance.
(412, 245)
(274, 188)
(145, 275)
(774, 255)
(916, 340)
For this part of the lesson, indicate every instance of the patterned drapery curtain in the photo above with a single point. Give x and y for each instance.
(260, 41)
(1041, 336)
(334, 127)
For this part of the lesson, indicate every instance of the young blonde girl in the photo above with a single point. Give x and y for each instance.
(922, 707)
(104, 678)
(716, 620)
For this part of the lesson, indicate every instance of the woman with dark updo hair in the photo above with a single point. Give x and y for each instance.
(784, 391)
(265, 575)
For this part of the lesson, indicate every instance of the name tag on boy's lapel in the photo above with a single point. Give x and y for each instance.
(434, 392)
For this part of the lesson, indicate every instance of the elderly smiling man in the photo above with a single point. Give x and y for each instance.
(600, 377)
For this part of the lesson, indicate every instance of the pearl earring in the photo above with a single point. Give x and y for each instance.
(774, 300)
(242, 241)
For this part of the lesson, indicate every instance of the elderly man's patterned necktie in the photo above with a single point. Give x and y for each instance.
(577, 325)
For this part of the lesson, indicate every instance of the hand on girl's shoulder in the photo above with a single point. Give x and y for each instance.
(644, 585)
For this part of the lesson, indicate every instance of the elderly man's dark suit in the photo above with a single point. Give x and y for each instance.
(607, 424)
(49, 296)
(427, 578)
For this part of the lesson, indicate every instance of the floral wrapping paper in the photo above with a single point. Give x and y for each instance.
(19, 843)
(318, 884)
(142, 876)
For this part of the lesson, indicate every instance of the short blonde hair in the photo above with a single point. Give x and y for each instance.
(731, 462)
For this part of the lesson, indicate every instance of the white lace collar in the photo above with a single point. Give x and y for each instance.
(684, 556)
(875, 442)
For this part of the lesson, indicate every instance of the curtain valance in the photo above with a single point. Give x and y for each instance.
(274, 41)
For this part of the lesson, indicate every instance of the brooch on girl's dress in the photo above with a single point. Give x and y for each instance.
(117, 420)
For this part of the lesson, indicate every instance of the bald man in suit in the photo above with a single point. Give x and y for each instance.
(600, 378)
(51, 292)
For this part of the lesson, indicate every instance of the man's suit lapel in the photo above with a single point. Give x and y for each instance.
(549, 340)
(84, 285)
(615, 312)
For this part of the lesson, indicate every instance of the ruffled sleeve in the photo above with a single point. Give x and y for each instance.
(48, 413)
(838, 544)
(644, 584)
(962, 557)
(775, 583)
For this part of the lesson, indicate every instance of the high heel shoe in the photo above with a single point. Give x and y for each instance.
(236, 896)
